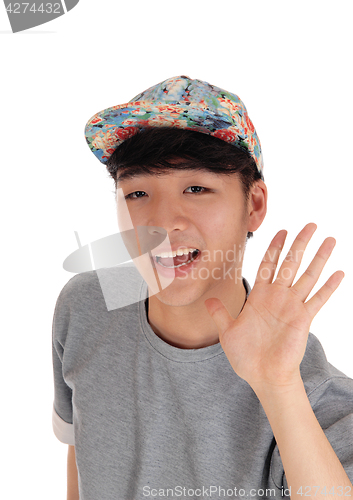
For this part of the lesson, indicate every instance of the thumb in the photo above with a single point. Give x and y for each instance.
(219, 314)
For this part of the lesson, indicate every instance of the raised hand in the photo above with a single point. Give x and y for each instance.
(266, 343)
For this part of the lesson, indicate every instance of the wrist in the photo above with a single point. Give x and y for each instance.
(280, 393)
(287, 408)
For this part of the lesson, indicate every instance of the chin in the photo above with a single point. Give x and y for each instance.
(179, 298)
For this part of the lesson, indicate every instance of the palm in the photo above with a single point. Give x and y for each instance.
(271, 329)
(267, 341)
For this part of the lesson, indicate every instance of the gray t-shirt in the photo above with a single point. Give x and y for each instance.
(149, 420)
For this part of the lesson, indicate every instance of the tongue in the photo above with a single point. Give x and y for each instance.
(180, 259)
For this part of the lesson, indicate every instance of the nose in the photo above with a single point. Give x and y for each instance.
(167, 215)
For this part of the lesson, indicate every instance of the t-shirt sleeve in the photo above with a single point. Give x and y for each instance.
(331, 399)
(62, 412)
(332, 403)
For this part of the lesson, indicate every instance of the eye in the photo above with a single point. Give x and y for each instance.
(196, 189)
(134, 195)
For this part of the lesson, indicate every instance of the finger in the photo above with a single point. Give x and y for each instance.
(219, 314)
(307, 281)
(291, 263)
(269, 263)
(320, 298)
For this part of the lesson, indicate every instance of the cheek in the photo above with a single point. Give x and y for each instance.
(123, 215)
(226, 235)
(130, 218)
(212, 227)
(224, 221)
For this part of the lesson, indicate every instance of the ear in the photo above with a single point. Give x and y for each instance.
(257, 205)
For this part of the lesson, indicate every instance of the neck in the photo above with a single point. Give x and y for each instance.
(190, 326)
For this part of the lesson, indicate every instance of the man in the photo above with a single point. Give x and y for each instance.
(202, 389)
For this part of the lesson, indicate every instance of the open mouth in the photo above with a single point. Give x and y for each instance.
(177, 258)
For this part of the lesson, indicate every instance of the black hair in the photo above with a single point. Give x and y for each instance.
(153, 149)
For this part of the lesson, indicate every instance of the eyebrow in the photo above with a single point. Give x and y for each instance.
(128, 175)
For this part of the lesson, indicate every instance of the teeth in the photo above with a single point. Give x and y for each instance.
(179, 252)
(179, 265)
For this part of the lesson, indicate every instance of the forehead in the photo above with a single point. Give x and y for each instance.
(127, 176)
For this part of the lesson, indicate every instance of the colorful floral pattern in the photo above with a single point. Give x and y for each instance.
(177, 102)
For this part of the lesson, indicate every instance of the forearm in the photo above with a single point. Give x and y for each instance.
(310, 463)
(72, 477)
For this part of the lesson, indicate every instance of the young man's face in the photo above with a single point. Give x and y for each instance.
(198, 210)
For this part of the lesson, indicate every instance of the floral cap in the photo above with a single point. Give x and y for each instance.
(177, 102)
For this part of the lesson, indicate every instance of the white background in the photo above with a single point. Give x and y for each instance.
(290, 62)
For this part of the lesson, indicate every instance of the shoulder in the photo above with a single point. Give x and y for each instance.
(315, 364)
(92, 294)
(106, 288)
(319, 376)
(86, 282)
(76, 299)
